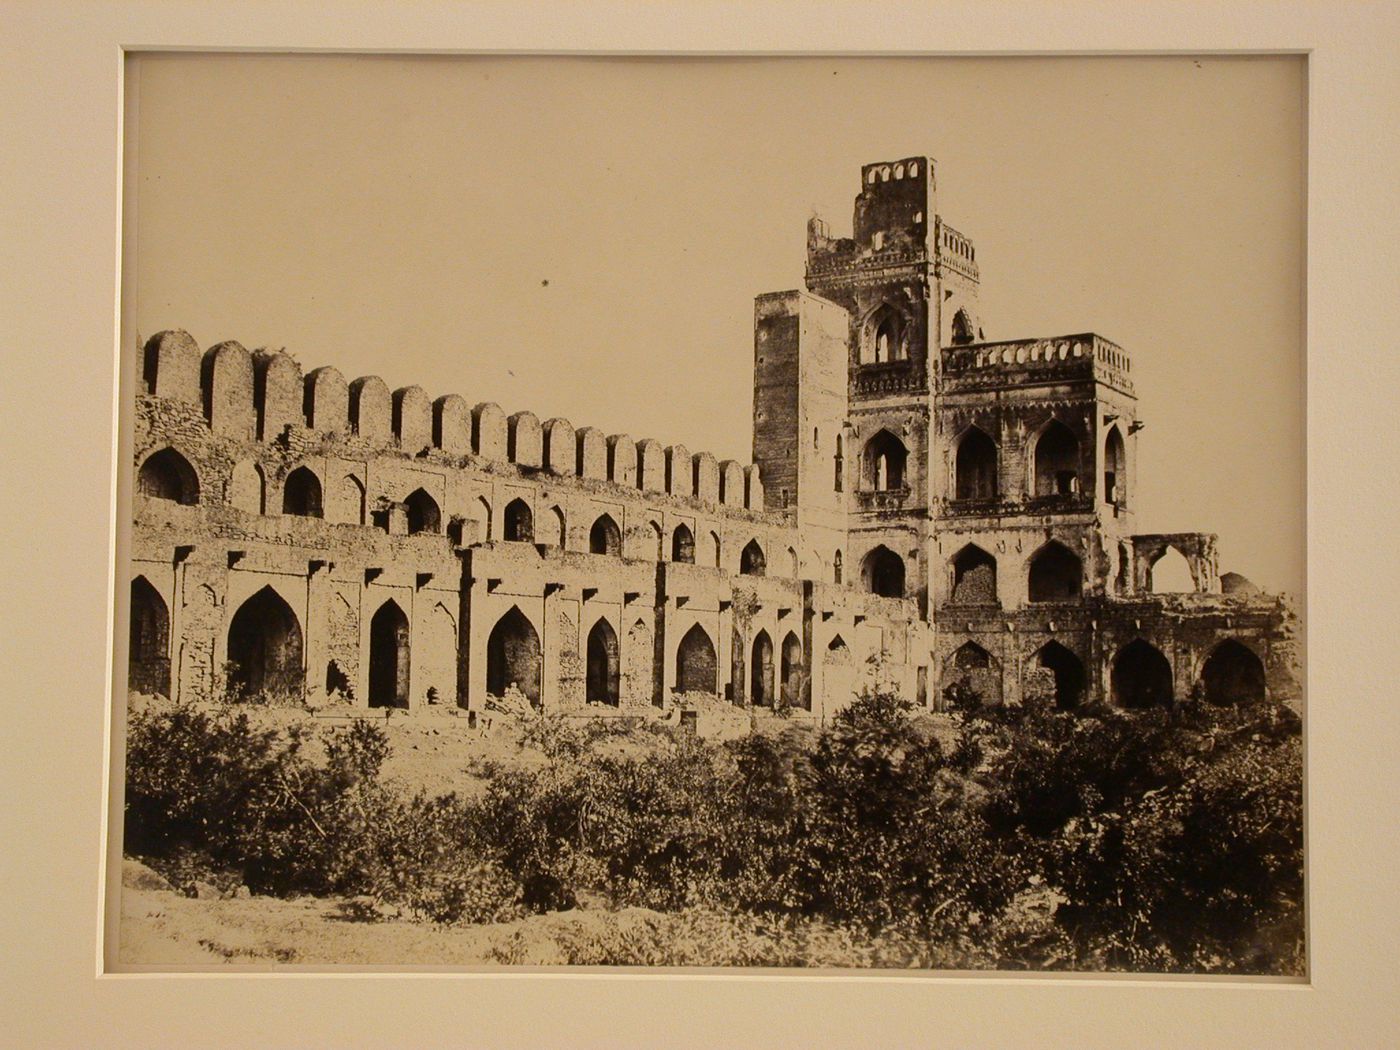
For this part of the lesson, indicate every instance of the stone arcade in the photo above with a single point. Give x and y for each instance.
(924, 506)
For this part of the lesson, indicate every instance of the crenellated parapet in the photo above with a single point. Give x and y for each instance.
(263, 396)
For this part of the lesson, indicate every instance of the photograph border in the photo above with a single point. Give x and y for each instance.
(66, 81)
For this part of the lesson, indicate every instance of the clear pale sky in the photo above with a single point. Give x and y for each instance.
(584, 237)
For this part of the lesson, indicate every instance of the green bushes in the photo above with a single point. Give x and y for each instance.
(1099, 839)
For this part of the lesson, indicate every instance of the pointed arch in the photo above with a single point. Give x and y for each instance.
(604, 671)
(882, 572)
(716, 551)
(837, 645)
(1056, 461)
(884, 336)
(148, 653)
(963, 330)
(761, 671)
(884, 460)
(696, 669)
(1115, 468)
(558, 528)
(423, 512)
(1141, 676)
(1068, 671)
(519, 522)
(972, 666)
(604, 537)
(301, 494)
(348, 505)
(1056, 574)
(513, 657)
(481, 512)
(168, 475)
(974, 577)
(791, 672)
(752, 561)
(265, 647)
(389, 656)
(248, 487)
(1233, 674)
(975, 465)
(1170, 573)
(836, 567)
(683, 545)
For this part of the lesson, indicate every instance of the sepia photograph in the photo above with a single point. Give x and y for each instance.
(740, 514)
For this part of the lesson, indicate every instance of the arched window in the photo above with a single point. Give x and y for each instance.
(423, 513)
(791, 669)
(520, 522)
(388, 657)
(1067, 670)
(883, 339)
(148, 664)
(683, 545)
(603, 667)
(1170, 574)
(604, 538)
(1056, 461)
(1115, 469)
(972, 667)
(963, 330)
(1141, 676)
(883, 573)
(696, 670)
(265, 648)
(840, 464)
(885, 456)
(836, 567)
(974, 577)
(301, 494)
(1233, 674)
(1056, 574)
(168, 475)
(761, 671)
(751, 561)
(975, 466)
(513, 657)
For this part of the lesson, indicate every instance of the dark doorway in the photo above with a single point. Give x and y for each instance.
(751, 560)
(148, 662)
(301, 494)
(792, 671)
(168, 475)
(388, 657)
(513, 657)
(976, 466)
(1233, 674)
(696, 670)
(885, 456)
(603, 669)
(884, 573)
(1056, 574)
(1057, 461)
(761, 671)
(604, 538)
(423, 513)
(520, 522)
(974, 577)
(1068, 672)
(265, 648)
(1142, 677)
(683, 545)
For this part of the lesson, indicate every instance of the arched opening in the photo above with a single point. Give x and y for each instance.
(168, 475)
(1115, 469)
(883, 573)
(1056, 574)
(148, 654)
(975, 466)
(1056, 461)
(840, 463)
(604, 537)
(973, 668)
(388, 657)
(964, 331)
(683, 545)
(350, 501)
(751, 560)
(695, 663)
(423, 512)
(558, 528)
(1170, 574)
(1068, 672)
(837, 646)
(1141, 677)
(248, 488)
(884, 339)
(513, 657)
(836, 567)
(481, 514)
(265, 648)
(716, 551)
(761, 671)
(604, 673)
(1233, 674)
(885, 456)
(519, 522)
(791, 669)
(974, 577)
(301, 494)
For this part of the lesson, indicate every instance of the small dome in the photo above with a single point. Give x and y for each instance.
(1234, 583)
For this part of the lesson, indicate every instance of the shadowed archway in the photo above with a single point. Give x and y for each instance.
(389, 655)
